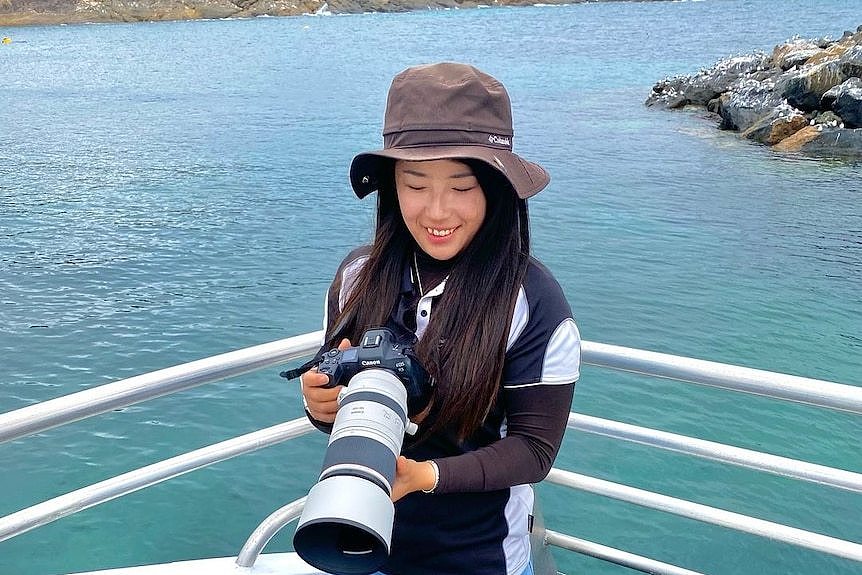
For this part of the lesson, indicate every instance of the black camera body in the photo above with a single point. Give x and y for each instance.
(379, 349)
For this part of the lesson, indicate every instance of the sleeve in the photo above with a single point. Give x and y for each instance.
(536, 422)
(544, 345)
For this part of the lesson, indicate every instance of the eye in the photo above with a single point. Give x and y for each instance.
(415, 188)
(464, 189)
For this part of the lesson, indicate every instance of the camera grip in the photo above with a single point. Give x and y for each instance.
(331, 366)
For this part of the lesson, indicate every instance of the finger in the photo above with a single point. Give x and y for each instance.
(323, 410)
(322, 404)
(314, 379)
(345, 343)
(324, 416)
(322, 394)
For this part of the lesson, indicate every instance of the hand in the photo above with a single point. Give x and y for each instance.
(412, 476)
(321, 402)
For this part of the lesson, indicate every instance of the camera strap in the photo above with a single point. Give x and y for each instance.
(318, 357)
(294, 373)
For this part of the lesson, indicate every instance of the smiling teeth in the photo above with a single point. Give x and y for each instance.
(440, 233)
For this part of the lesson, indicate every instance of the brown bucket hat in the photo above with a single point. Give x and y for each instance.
(448, 111)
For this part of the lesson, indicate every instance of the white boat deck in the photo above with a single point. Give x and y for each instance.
(267, 564)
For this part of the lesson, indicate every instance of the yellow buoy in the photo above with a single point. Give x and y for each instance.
(6, 40)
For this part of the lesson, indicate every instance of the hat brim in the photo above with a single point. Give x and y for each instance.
(527, 178)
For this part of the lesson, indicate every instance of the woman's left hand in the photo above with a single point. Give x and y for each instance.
(412, 476)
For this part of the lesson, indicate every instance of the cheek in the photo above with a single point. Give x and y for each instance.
(479, 211)
(407, 208)
(404, 206)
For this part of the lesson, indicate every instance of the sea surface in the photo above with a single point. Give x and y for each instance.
(170, 191)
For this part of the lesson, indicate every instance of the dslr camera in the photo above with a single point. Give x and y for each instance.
(378, 349)
(346, 524)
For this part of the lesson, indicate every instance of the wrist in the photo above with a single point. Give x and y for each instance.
(435, 474)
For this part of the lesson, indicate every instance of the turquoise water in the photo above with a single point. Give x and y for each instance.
(174, 190)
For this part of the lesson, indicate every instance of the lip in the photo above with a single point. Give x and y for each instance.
(440, 239)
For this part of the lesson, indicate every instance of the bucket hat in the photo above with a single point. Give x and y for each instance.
(448, 111)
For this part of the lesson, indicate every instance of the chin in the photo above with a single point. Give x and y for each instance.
(440, 254)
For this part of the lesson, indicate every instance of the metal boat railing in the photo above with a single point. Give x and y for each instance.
(73, 407)
(76, 406)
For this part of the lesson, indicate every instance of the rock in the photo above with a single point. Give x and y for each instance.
(804, 88)
(848, 105)
(771, 75)
(714, 106)
(806, 95)
(835, 50)
(706, 85)
(19, 12)
(781, 123)
(828, 99)
(669, 93)
(794, 53)
(823, 141)
(851, 62)
(795, 142)
(830, 119)
(749, 100)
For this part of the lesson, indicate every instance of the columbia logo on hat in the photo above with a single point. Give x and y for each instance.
(501, 140)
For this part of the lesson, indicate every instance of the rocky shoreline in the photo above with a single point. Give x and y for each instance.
(806, 96)
(35, 12)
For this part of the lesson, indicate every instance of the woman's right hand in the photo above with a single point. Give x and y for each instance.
(321, 402)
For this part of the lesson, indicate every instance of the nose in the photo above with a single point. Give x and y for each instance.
(437, 208)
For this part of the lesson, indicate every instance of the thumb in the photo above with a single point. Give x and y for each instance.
(345, 343)
(401, 464)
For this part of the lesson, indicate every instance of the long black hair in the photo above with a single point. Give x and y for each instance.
(464, 345)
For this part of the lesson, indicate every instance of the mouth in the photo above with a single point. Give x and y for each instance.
(440, 232)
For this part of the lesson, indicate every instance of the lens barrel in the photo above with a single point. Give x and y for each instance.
(346, 525)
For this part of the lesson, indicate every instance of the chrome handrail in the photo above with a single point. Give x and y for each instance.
(775, 464)
(267, 530)
(73, 407)
(612, 555)
(725, 376)
(707, 514)
(76, 406)
(117, 486)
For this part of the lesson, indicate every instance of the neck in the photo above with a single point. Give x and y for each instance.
(431, 271)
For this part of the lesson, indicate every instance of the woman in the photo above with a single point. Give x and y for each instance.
(501, 346)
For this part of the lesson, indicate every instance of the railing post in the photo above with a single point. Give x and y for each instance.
(267, 530)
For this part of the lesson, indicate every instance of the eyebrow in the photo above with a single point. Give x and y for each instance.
(424, 175)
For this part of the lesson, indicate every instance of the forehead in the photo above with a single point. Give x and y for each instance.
(433, 168)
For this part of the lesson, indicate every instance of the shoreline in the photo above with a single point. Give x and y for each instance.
(22, 13)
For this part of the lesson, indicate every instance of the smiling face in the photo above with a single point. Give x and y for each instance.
(442, 204)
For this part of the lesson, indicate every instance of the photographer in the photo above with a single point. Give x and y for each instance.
(450, 273)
